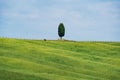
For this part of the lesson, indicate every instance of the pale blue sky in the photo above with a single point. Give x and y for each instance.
(83, 19)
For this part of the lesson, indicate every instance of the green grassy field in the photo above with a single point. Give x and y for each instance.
(58, 60)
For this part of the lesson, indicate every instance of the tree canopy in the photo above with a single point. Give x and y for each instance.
(61, 30)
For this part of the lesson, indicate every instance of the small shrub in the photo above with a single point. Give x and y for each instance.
(45, 39)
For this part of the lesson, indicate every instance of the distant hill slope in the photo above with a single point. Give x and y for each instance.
(58, 60)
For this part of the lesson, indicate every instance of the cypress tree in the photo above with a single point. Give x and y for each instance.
(61, 30)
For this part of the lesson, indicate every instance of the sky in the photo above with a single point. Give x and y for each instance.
(84, 20)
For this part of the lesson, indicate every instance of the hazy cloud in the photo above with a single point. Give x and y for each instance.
(83, 19)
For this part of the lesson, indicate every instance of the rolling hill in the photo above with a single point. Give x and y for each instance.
(58, 60)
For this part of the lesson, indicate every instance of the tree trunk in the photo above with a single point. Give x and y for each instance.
(60, 38)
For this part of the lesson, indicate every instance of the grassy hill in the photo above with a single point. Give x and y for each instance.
(58, 60)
